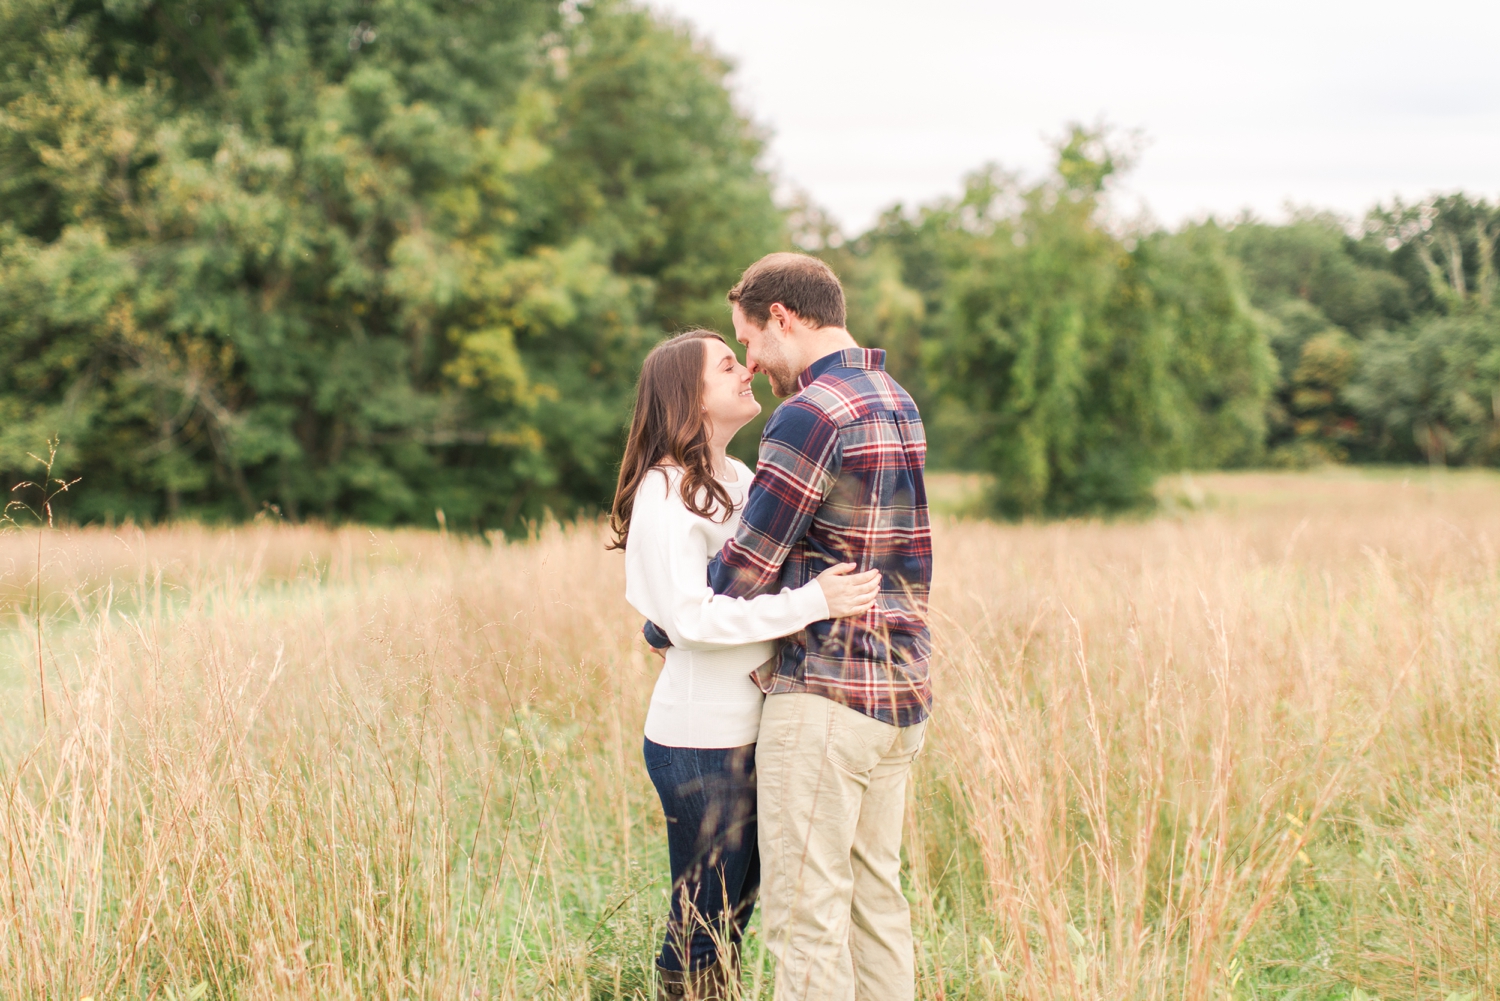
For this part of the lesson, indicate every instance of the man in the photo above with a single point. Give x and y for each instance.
(839, 479)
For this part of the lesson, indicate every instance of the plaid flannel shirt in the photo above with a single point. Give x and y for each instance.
(839, 480)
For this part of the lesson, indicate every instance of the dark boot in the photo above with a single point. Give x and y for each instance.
(670, 985)
(712, 983)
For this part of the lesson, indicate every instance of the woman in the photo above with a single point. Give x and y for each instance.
(679, 500)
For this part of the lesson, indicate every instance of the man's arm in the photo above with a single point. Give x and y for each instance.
(656, 637)
(798, 464)
(799, 461)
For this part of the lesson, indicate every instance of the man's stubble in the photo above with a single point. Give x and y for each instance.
(778, 369)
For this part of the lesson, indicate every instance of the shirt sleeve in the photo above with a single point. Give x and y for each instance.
(800, 459)
(655, 637)
(675, 595)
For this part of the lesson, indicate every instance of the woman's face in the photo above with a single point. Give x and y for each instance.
(728, 402)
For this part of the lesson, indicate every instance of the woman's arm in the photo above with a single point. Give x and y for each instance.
(667, 581)
(701, 617)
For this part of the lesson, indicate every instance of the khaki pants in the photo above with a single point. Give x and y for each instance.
(832, 790)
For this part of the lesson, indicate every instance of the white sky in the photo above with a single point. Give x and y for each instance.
(1329, 103)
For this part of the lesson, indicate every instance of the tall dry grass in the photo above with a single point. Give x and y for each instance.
(1240, 751)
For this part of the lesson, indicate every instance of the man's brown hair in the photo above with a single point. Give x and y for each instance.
(804, 285)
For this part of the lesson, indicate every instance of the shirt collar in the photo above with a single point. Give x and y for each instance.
(867, 358)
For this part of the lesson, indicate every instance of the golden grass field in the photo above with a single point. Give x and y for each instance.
(1248, 748)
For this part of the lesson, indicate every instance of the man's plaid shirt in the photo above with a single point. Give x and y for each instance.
(839, 480)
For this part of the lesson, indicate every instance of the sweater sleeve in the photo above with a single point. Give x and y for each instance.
(672, 589)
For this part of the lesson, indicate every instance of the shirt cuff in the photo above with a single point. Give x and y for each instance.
(658, 639)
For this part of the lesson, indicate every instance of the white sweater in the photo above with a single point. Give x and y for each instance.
(706, 695)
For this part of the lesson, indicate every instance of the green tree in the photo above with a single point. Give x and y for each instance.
(1220, 367)
(354, 259)
(1073, 363)
(1431, 389)
(1321, 293)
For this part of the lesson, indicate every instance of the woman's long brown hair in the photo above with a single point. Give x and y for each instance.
(669, 424)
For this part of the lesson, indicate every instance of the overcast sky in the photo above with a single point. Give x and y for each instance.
(1247, 105)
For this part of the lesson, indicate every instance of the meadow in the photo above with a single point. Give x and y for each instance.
(1245, 748)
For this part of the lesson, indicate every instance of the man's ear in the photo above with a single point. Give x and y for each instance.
(782, 316)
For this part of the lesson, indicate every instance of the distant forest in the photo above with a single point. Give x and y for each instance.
(378, 259)
(1077, 360)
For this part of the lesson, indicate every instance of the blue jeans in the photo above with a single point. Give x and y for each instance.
(708, 797)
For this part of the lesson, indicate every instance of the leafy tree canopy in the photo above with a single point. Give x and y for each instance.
(1072, 360)
(381, 259)
(1380, 331)
(1075, 357)
(354, 258)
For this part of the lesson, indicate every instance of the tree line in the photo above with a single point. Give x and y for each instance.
(381, 259)
(1077, 357)
(364, 259)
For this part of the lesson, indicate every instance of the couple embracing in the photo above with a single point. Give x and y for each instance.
(791, 607)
